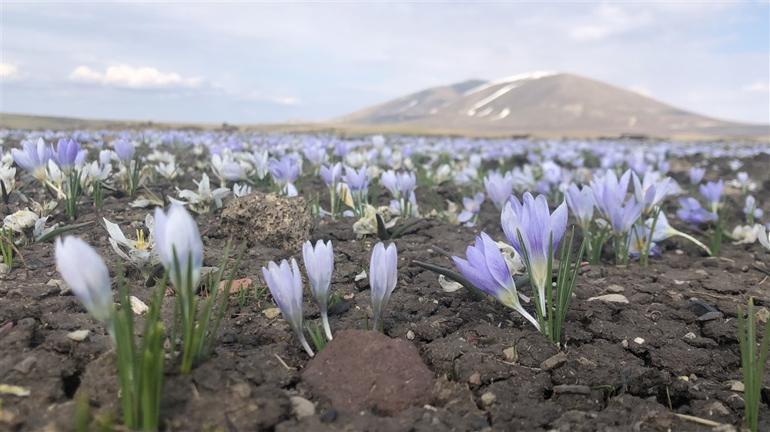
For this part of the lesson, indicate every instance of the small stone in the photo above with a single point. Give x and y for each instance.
(611, 298)
(624, 343)
(701, 271)
(79, 335)
(689, 335)
(360, 276)
(638, 340)
(737, 386)
(510, 354)
(25, 365)
(138, 306)
(474, 379)
(763, 314)
(718, 408)
(301, 407)
(554, 361)
(236, 286)
(615, 288)
(488, 398)
(58, 283)
(4, 269)
(271, 313)
(410, 335)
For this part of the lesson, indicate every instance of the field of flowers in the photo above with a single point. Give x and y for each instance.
(197, 280)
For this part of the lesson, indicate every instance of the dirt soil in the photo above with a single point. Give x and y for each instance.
(626, 366)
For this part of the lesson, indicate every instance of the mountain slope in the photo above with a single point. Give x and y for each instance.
(545, 103)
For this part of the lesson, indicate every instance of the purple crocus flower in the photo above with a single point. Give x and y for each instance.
(652, 190)
(487, 270)
(581, 203)
(319, 264)
(471, 209)
(696, 174)
(399, 184)
(33, 157)
(690, 211)
(68, 153)
(610, 196)
(712, 192)
(383, 274)
(331, 174)
(750, 208)
(540, 231)
(499, 187)
(285, 284)
(357, 180)
(285, 171)
(124, 149)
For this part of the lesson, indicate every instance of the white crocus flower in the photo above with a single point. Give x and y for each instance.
(748, 234)
(139, 252)
(167, 170)
(201, 200)
(240, 190)
(8, 177)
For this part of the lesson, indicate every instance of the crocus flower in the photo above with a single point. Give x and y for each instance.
(383, 273)
(357, 180)
(399, 184)
(664, 230)
(581, 203)
(540, 231)
(610, 196)
(712, 192)
(285, 284)
(319, 263)
(499, 188)
(285, 172)
(33, 157)
(124, 149)
(68, 153)
(696, 174)
(471, 209)
(652, 190)
(176, 235)
(331, 174)
(85, 273)
(486, 268)
(690, 211)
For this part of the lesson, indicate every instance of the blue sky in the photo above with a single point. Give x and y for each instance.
(274, 62)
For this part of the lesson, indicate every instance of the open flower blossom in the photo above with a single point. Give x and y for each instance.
(498, 187)
(201, 201)
(383, 275)
(319, 263)
(485, 267)
(652, 190)
(690, 211)
(357, 180)
(331, 174)
(285, 171)
(285, 284)
(541, 232)
(399, 184)
(33, 157)
(85, 273)
(124, 149)
(712, 193)
(176, 234)
(69, 154)
(581, 203)
(610, 198)
(139, 252)
(471, 209)
(696, 174)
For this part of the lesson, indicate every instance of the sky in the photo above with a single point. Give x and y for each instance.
(242, 62)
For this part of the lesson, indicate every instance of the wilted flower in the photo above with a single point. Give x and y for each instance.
(540, 231)
(499, 188)
(747, 234)
(85, 273)
(664, 230)
(319, 263)
(486, 268)
(177, 238)
(383, 274)
(285, 284)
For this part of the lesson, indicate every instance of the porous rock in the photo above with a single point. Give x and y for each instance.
(268, 219)
(361, 370)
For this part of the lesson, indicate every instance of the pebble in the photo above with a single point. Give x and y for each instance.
(138, 306)
(639, 340)
(410, 335)
(763, 314)
(737, 386)
(718, 408)
(271, 313)
(4, 269)
(64, 289)
(488, 398)
(554, 361)
(79, 335)
(301, 407)
(510, 354)
(475, 379)
(615, 288)
(689, 335)
(611, 298)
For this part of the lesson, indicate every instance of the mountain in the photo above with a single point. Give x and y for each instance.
(544, 103)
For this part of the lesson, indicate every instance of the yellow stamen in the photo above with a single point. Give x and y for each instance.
(140, 243)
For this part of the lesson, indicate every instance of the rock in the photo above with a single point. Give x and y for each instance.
(301, 407)
(510, 354)
(78, 335)
(25, 365)
(554, 361)
(718, 408)
(611, 298)
(763, 314)
(357, 361)
(737, 386)
(410, 335)
(614, 288)
(236, 286)
(638, 340)
(689, 335)
(474, 379)
(64, 289)
(4, 269)
(488, 398)
(138, 306)
(268, 219)
(271, 313)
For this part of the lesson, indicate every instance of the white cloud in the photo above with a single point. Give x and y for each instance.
(133, 77)
(8, 71)
(758, 87)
